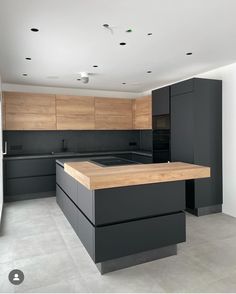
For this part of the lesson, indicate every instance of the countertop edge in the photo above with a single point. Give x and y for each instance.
(25, 157)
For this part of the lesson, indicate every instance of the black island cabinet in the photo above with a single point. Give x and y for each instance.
(124, 226)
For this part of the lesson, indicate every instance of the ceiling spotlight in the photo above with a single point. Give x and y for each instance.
(28, 58)
(24, 74)
(189, 53)
(78, 79)
(95, 65)
(84, 77)
(129, 31)
(149, 34)
(149, 71)
(106, 25)
(34, 30)
(123, 83)
(122, 43)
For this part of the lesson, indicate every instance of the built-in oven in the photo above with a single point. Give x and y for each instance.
(161, 138)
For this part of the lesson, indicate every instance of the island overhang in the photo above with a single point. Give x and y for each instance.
(94, 176)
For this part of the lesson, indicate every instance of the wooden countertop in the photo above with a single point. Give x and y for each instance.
(94, 177)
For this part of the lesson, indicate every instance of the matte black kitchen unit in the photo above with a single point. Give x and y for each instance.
(115, 224)
(196, 137)
(161, 124)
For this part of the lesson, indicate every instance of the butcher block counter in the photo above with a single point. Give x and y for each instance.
(128, 214)
(94, 177)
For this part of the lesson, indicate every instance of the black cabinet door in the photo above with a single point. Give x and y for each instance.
(30, 167)
(182, 128)
(182, 87)
(160, 101)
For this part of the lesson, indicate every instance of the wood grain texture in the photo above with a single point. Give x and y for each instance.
(142, 110)
(95, 177)
(30, 111)
(113, 114)
(75, 112)
(3, 113)
(28, 121)
(29, 103)
(74, 105)
(75, 122)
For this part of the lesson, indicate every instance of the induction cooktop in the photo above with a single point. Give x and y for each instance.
(113, 161)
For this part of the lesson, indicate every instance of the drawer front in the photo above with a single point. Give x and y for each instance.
(30, 168)
(30, 185)
(83, 228)
(67, 183)
(68, 208)
(182, 87)
(126, 203)
(132, 237)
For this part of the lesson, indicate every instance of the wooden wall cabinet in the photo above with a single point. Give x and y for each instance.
(30, 111)
(75, 112)
(142, 109)
(113, 114)
(3, 113)
(27, 111)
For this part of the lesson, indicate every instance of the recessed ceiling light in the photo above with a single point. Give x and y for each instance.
(78, 79)
(95, 65)
(24, 74)
(34, 30)
(123, 83)
(129, 31)
(28, 58)
(106, 25)
(189, 53)
(122, 43)
(149, 71)
(149, 34)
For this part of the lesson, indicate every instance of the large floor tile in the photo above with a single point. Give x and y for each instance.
(37, 238)
(179, 273)
(45, 270)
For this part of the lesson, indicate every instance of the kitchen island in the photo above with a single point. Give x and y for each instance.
(126, 214)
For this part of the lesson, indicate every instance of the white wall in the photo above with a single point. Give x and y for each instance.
(228, 75)
(1, 156)
(68, 91)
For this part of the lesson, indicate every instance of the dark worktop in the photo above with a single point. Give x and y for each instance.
(73, 155)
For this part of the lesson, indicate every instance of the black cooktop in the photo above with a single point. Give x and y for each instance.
(113, 161)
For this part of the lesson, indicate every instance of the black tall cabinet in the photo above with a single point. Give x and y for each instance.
(196, 137)
(161, 124)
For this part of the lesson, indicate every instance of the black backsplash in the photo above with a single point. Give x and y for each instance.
(146, 140)
(31, 142)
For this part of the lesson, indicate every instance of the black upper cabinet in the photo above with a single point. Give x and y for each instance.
(182, 87)
(196, 135)
(160, 101)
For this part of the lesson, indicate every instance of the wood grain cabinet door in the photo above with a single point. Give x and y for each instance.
(113, 114)
(27, 111)
(143, 113)
(75, 112)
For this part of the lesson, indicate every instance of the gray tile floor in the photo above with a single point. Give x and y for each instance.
(37, 239)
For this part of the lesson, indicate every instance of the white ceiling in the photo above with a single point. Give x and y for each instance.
(72, 39)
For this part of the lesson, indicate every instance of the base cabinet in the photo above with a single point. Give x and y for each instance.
(29, 179)
(143, 219)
